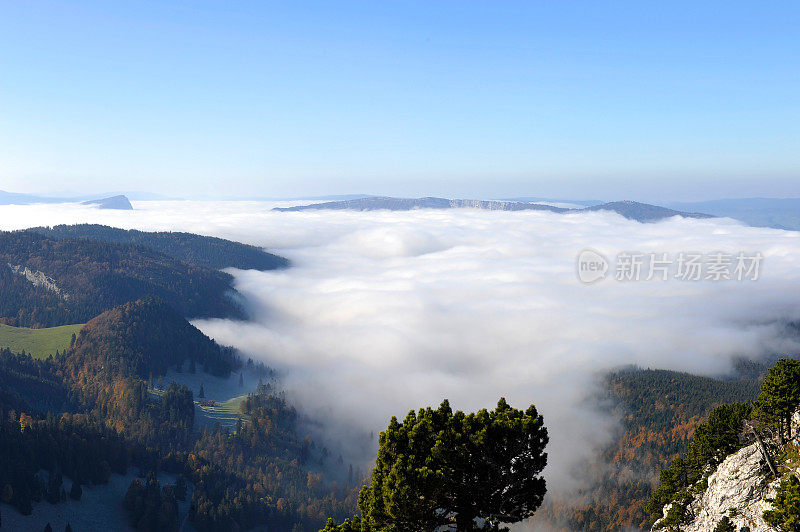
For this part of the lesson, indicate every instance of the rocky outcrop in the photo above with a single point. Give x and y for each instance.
(37, 278)
(740, 483)
(738, 489)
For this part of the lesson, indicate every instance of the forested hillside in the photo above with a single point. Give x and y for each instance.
(659, 411)
(47, 282)
(145, 338)
(73, 445)
(206, 251)
(88, 412)
(260, 474)
(31, 385)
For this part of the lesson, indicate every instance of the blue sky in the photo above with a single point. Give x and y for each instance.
(605, 100)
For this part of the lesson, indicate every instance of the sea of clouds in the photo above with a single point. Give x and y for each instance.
(383, 312)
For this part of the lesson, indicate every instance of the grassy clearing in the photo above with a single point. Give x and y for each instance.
(225, 413)
(205, 417)
(225, 391)
(232, 405)
(209, 416)
(39, 343)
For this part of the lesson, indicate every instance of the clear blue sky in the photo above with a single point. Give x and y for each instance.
(642, 100)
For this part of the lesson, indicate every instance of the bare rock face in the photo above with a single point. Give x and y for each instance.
(37, 278)
(741, 483)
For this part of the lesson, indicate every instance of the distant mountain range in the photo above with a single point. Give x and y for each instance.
(778, 213)
(15, 198)
(118, 201)
(407, 204)
(632, 210)
(642, 212)
(555, 201)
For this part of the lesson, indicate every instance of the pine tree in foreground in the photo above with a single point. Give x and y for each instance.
(443, 468)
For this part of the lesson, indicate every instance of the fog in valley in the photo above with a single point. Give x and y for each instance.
(383, 312)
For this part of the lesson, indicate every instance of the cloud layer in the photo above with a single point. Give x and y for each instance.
(385, 312)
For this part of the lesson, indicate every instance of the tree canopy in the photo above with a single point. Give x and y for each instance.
(443, 468)
(785, 513)
(780, 395)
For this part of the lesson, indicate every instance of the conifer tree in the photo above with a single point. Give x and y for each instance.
(785, 512)
(780, 396)
(440, 468)
(725, 525)
(76, 491)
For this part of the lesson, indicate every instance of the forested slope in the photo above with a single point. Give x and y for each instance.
(145, 338)
(31, 385)
(88, 412)
(659, 411)
(206, 251)
(48, 282)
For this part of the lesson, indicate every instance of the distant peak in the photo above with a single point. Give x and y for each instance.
(119, 202)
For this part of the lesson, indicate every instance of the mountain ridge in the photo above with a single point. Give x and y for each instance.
(632, 210)
(82, 278)
(201, 250)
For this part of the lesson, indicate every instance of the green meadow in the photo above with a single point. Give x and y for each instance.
(225, 413)
(39, 343)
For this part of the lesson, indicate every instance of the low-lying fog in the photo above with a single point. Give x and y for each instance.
(383, 312)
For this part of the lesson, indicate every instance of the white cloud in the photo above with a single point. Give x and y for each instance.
(384, 312)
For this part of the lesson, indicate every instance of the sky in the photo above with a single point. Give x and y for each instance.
(600, 100)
